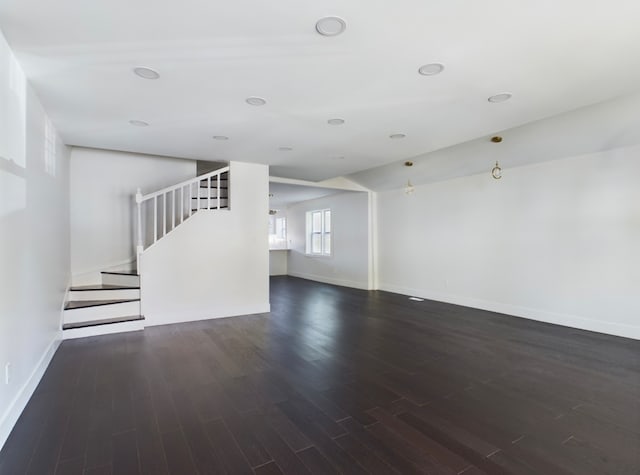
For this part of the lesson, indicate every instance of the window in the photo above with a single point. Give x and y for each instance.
(319, 232)
(277, 233)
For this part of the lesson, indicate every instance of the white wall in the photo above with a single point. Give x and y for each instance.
(216, 264)
(349, 263)
(278, 262)
(34, 239)
(103, 185)
(557, 241)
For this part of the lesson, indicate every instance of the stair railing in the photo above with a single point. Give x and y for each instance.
(176, 193)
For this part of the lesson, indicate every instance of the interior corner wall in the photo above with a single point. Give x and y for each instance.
(215, 264)
(348, 264)
(556, 242)
(34, 239)
(103, 217)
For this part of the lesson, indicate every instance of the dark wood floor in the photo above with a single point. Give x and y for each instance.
(337, 380)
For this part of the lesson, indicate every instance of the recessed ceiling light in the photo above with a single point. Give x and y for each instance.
(146, 73)
(503, 96)
(331, 26)
(335, 121)
(397, 136)
(431, 69)
(139, 123)
(285, 149)
(220, 137)
(256, 101)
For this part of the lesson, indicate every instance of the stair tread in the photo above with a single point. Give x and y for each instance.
(105, 321)
(121, 273)
(213, 207)
(74, 304)
(104, 287)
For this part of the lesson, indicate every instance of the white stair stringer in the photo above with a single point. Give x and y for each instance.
(101, 312)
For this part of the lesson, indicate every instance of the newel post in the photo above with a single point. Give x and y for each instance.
(140, 246)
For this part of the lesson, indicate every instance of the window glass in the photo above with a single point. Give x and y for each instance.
(319, 232)
(317, 222)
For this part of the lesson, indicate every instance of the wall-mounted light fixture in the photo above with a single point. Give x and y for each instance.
(496, 172)
(409, 188)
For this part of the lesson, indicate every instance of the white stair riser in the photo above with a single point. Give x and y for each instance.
(214, 203)
(101, 312)
(103, 329)
(120, 279)
(203, 194)
(111, 294)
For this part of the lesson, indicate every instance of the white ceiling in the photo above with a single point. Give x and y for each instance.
(608, 125)
(284, 195)
(554, 56)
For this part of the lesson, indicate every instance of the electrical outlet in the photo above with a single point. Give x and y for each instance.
(7, 373)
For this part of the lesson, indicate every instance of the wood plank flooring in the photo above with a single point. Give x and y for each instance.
(337, 380)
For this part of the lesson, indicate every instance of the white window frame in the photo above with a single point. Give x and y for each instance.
(323, 233)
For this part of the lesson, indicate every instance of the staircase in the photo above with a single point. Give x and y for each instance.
(114, 304)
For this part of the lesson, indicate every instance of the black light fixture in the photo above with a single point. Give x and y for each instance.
(409, 188)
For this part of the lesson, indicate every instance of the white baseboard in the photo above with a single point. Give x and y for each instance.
(11, 415)
(330, 280)
(152, 319)
(567, 320)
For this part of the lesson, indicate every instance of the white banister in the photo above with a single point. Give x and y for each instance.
(140, 245)
(139, 206)
(164, 215)
(155, 219)
(173, 210)
(181, 205)
(144, 214)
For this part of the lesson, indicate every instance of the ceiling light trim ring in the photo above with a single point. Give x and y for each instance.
(431, 69)
(146, 73)
(500, 97)
(255, 101)
(331, 26)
